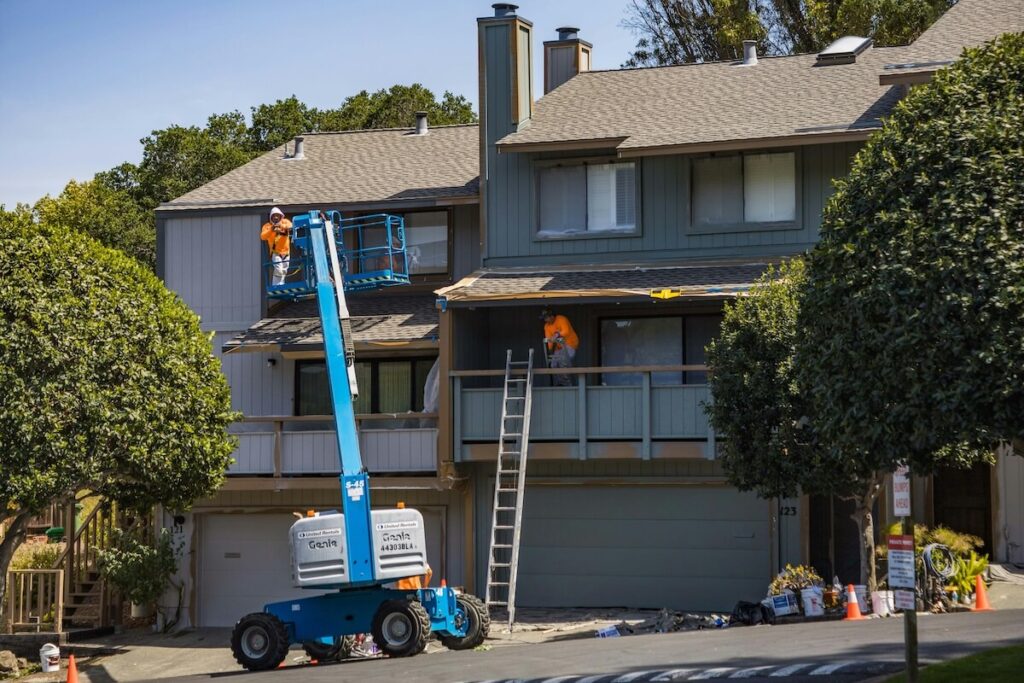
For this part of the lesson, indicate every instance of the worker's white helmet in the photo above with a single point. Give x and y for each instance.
(277, 211)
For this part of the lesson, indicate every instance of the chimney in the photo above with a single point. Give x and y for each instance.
(749, 52)
(421, 123)
(299, 152)
(565, 57)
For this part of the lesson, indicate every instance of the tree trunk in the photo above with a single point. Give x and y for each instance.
(12, 539)
(864, 517)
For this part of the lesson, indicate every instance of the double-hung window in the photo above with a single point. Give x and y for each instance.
(744, 189)
(587, 199)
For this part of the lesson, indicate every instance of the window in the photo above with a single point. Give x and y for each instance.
(670, 340)
(385, 386)
(748, 188)
(586, 199)
(426, 241)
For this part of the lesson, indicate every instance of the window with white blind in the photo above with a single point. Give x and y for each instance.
(586, 199)
(737, 190)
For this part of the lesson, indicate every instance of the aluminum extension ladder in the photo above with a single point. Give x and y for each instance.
(509, 484)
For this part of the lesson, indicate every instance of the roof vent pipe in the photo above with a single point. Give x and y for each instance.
(504, 9)
(749, 52)
(299, 152)
(421, 123)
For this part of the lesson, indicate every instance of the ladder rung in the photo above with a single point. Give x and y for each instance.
(497, 602)
(501, 545)
(515, 398)
(503, 526)
(501, 564)
(505, 488)
(516, 380)
(504, 508)
(499, 583)
(512, 434)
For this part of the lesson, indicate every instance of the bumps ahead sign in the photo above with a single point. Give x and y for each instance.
(901, 491)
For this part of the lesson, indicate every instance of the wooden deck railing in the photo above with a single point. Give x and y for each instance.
(80, 559)
(35, 599)
(659, 403)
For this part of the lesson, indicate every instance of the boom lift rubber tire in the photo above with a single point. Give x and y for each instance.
(341, 649)
(479, 626)
(259, 641)
(400, 628)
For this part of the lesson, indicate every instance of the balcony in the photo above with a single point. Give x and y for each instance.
(306, 445)
(596, 418)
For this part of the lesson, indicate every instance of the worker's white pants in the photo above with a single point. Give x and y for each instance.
(280, 262)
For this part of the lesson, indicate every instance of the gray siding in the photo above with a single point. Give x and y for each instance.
(214, 264)
(466, 240)
(256, 388)
(666, 231)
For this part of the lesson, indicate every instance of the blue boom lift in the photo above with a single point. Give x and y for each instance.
(358, 553)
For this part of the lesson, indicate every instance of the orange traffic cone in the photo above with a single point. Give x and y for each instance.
(852, 606)
(981, 603)
(72, 669)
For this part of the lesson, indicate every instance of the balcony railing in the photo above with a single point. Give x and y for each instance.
(650, 414)
(284, 445)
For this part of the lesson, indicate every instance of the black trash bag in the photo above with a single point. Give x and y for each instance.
(748, 614)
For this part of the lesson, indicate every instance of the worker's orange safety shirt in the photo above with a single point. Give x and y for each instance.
(561, 325)
(278, 243)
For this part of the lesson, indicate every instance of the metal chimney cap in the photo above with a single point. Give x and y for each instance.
(567, 32)
(421, 123)
(504, 9)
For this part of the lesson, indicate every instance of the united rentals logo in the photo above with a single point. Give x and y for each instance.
(318, 533)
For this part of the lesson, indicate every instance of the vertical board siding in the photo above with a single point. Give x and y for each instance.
(465, 240)
(213, 263)
(614, 413)
(1010, 478)
(392, 450)
(664, 201)
(256, 388)
(254, 455)
(678, 412)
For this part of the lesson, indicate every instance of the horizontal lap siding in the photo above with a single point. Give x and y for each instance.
(665, 214)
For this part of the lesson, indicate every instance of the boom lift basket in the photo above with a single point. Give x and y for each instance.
(372, 251)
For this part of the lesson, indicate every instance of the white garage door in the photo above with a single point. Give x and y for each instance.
(693, 548)
(245, 563)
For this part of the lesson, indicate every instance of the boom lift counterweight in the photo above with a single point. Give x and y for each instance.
(357, 552)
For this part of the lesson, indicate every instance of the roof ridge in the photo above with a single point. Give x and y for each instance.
(388, 130)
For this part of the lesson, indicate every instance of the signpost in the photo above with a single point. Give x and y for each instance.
(902, 574)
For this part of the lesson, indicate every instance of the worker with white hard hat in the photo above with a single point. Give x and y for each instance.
(277, 235)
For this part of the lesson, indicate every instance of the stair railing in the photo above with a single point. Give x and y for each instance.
(81, 554)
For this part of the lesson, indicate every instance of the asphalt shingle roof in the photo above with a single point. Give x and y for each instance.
(354, 167)
(375, 319)
(708, 280)
(779, 97)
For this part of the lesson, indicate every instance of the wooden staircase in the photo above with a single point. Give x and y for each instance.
(88, 601)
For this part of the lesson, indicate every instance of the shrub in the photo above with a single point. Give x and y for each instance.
(141, 571)
(36, 555)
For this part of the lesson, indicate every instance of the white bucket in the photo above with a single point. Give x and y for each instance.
(813, 598)
(862, 597)
(883, 603)
(49, 658)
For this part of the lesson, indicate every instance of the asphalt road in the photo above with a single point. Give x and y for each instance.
(864, 649)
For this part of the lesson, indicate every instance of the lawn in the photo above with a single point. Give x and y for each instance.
(1004, 664)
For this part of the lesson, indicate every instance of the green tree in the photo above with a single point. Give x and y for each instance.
(109, 215)
(110, 386)
(681, 31)
(769, 444)
(911, 321)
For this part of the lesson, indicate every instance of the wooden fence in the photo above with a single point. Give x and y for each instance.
(35, 599)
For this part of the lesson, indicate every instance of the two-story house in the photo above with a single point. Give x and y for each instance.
(635, 202)
(210, 253)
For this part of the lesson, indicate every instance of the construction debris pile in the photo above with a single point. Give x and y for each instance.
(667, 621)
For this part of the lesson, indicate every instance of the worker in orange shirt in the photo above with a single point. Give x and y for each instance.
(562, 342)
(277, 235)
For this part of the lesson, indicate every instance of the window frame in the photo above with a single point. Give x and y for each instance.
(682, 316)
(416, 278)
(539, 164)
(374, 380)
(797, 223)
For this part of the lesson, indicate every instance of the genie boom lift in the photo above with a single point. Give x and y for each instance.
(359, 554)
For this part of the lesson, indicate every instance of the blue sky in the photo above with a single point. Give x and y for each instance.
(81, 82)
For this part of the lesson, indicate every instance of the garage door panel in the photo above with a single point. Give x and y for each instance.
(581, 533)
(697, 548)
(708, 504)
(696, 594)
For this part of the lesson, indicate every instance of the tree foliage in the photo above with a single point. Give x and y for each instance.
(109, 215)
(912, 346)
(681, 31)
(110, 386)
